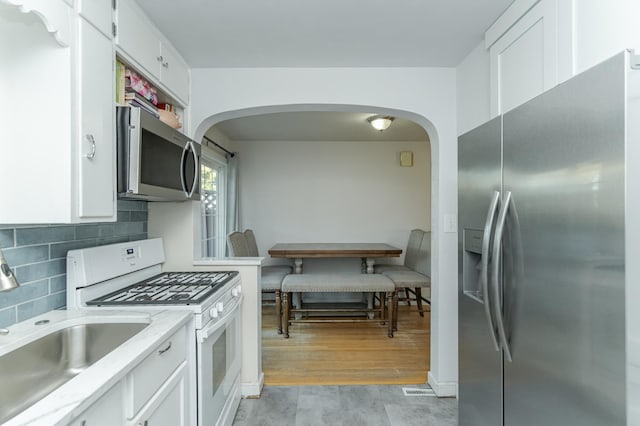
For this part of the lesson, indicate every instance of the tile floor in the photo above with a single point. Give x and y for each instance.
(375, 405)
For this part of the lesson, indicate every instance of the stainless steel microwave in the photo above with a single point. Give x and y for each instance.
(155, 161)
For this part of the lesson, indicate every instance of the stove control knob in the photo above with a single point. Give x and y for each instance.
(214, 312)
(220, 306)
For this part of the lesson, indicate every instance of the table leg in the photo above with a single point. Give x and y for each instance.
(297, 298)
(370, 262)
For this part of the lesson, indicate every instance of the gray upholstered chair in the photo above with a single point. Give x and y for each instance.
(238, 246)
(243, 244)
(410, 254)
(252, 244)
(414, 279)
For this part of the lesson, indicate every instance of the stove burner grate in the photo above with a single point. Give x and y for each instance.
(174, 288)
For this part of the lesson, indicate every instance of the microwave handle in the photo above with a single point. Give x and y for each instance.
(182, 163)
(196, 173)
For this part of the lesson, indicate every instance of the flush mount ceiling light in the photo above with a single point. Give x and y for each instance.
(380, 122)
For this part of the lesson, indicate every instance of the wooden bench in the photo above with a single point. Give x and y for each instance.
(338, 283)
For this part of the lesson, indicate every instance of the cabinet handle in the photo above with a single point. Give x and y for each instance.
(160, 58)
(161, 351)
(92, 154)
(165, 64)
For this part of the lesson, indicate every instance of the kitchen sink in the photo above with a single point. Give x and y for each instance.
(36, 369)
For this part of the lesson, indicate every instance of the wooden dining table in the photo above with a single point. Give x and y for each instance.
(368, 252)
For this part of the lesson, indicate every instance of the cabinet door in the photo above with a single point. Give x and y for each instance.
(168, 407)
(524, 60)
(96, 151)
(137, 37)
(175, 73)
(106, 411)
(99, 13)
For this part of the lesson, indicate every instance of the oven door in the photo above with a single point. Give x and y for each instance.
(219, 360)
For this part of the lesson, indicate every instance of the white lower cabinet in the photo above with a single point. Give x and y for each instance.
(168, 406)
(156, 392)
(157, 389)
(151, 374)
(106, 411)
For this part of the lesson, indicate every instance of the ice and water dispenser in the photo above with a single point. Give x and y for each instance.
(472, 263)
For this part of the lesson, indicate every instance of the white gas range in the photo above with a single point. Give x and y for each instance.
(128, 276)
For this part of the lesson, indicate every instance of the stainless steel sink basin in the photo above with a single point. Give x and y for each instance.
(34, 370)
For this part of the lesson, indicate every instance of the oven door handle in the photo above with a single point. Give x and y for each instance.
(214, 326)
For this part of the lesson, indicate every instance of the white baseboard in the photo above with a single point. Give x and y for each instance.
(442, 389)
(252, 389)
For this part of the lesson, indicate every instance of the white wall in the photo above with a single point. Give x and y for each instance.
(333, 191)
(424, 95)
(604, 28)
(473, 96)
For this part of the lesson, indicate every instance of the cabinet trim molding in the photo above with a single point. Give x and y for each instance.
(55, 15)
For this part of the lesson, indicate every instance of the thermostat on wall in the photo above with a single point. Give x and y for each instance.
(406, 158)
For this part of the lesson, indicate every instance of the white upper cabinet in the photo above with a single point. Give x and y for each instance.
(137, 38)
(175, 73)
(99, 13)
(59, 111)
(142, 45)
(523, 53)
(96, 123)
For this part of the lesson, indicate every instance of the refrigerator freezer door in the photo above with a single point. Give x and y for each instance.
(480, 363)
(564, 165)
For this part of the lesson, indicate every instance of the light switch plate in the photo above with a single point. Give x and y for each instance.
(406, 158)
(450, 223)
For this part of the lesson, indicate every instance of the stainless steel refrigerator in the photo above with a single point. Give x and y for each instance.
(542, 199)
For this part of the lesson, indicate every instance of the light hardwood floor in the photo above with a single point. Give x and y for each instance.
(346, 353)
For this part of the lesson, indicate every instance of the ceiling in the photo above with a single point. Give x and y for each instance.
(324, 33)
(318, 126)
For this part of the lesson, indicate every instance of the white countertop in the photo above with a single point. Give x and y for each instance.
(228, 261)
(75, 396)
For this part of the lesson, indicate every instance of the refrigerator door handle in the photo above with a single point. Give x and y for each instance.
(497, 263)
(484, 273)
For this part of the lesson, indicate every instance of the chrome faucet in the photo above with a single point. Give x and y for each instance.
(7, 278)
(8, 282)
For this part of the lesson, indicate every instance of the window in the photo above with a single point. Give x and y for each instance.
(213, 169)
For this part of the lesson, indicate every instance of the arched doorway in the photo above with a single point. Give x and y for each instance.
(444, 292)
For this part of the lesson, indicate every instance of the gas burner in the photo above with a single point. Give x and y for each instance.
(173, 288)
(179, 296)
(142, 298)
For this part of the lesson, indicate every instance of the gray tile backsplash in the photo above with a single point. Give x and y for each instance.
(37, 254)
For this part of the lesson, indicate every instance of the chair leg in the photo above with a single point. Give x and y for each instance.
(394, 311)
(407, 296)
(287, 307)
(418, 291)
(390, 312)
(383, 296)
(279, 311)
